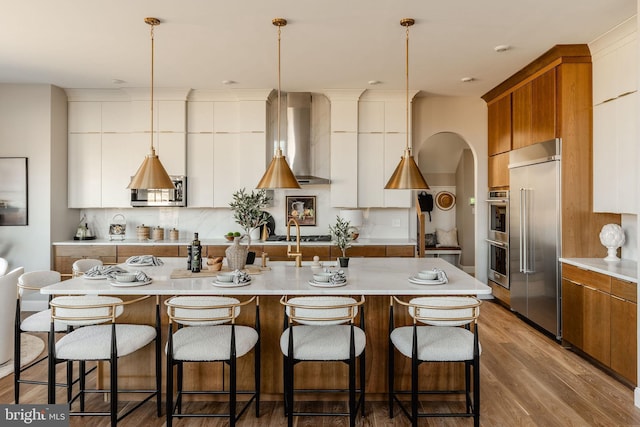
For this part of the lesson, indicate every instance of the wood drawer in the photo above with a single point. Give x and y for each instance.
(592, 279)
(85, 251)
(126, 251)
(624, 289)
(401, 251)
(360, 251)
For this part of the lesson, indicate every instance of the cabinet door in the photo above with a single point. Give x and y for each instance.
(543, 107)
(199, 116)
(250, 160)
(371, 117)
(521, 116)
(171, 149)
(624, 337)
(499, 122)
(499, 170)
(572, 309)
(627, 148)
(122, 155)
(85, 116)
(344, 169)
(116, 117)
(597, 324)
(370, 167)
(395, 117)
(226, 168)
(172, 116)
(84, 170)
(200, 170)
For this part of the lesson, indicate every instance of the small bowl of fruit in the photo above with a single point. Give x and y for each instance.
(232, 235)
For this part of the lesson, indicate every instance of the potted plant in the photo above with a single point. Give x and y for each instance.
(341, 237)
(248, 212)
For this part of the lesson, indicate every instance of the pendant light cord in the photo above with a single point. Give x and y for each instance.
(152, 64)
(279, 151)
(407, 86)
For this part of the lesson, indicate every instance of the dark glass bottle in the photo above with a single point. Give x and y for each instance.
(188, 257)
(196, 254)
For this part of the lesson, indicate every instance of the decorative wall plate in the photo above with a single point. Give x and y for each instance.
(445, 200)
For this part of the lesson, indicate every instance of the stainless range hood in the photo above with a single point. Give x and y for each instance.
(299, 138)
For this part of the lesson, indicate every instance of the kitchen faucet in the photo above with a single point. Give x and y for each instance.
(298, 253)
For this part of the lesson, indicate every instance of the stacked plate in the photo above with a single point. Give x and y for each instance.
(232, 279)
(429, 277)
(329, 279)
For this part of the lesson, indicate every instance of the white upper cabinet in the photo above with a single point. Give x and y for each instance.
(371, 117)
(615, 63)
(395, 116)
(116, 117)
(200, 117)
(172, 151)
(85, 170)
(122, 155)
(85, 117)
(200, 169)
(615, 118)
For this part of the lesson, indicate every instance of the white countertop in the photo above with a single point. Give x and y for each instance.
(624, 269)
(365, 276)
(360, 242)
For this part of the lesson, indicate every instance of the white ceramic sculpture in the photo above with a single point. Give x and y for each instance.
(612, 237)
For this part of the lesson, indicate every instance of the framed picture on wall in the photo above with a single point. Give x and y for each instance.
(13, 191)
(302, 208)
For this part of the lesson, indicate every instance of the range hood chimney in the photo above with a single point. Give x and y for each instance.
(299, 138)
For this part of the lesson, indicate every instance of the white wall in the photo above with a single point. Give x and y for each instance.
(33, 124)
(468, 118)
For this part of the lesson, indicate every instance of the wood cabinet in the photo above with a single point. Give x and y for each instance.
(551, 98)
(499, 170)
(499, 125)
(126, 251)
(534, 110)
(65, 255)
(599, 315)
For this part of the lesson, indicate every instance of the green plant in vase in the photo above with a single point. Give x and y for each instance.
(248, 209)
(341, 236)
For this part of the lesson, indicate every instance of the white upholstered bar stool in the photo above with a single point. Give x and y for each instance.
(80, 266)
(4, 266)
(38, 322)
(323, 329)
(96, 336)
(208, 332)
(449, 333)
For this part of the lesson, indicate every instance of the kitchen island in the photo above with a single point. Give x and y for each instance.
(376, 278)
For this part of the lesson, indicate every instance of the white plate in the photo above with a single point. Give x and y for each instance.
(140, 264)
(229, 284)
(94, 277)
(419, 281)
(129, 284)
(326, 284)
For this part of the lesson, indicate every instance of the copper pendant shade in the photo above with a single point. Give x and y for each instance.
(278, 174)
(151, 174)
(407, 175)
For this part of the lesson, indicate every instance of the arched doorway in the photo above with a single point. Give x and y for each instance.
(447, 162)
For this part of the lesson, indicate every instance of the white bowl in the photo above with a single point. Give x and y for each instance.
(321, 277)
(428, 275)
(225, 277)
(126, 277)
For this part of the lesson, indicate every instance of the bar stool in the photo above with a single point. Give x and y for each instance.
(447, 337)
(97, 337)
(39, 322)
(322, 328)
(208, 332)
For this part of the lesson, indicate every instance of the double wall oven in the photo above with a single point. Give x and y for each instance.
(498, 237)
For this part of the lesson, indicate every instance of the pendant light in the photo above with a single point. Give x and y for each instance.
(151, 174)
(407, 174)
(278, 174)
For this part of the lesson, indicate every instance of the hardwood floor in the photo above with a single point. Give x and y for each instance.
(527, 379)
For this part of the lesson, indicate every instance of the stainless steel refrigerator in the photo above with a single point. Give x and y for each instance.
(535, 239)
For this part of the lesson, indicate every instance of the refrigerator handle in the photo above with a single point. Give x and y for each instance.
(523, 236)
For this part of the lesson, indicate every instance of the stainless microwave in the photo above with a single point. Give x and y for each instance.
(166, 197)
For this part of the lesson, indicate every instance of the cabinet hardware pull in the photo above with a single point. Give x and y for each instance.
(617, 297)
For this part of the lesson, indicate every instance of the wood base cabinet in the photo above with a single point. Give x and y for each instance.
(599, 316)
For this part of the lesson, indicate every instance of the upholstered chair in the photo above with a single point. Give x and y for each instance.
(82, 265)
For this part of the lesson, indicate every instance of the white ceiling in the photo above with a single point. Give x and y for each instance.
(327, 43)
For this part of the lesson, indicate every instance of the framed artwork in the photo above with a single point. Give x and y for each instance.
(13, 191)
(302, 208)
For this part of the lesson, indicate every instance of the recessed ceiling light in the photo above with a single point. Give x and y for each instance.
(502, 48)
(117, 81)
(467, 79)
(374, 82)
(229, 82)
